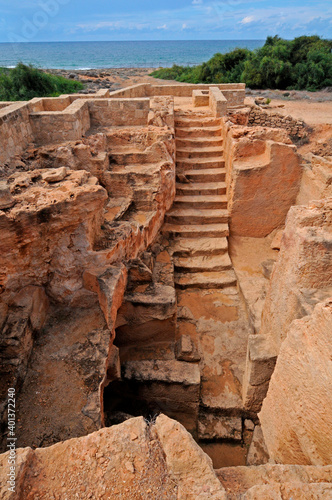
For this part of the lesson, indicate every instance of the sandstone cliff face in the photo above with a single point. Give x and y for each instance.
(297, 412)
(134, 460)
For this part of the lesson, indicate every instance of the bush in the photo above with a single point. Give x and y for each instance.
(302, 63)
(25, 82)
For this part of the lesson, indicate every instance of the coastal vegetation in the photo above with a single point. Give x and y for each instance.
(23, 83)
(304, 63)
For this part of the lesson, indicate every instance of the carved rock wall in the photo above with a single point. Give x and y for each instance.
(299, 432)
(263, 179)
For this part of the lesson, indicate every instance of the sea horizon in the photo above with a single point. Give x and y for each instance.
(75, 55)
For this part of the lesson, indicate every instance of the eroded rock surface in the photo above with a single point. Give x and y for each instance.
(135, 460)
(300, 432)
(279, 482)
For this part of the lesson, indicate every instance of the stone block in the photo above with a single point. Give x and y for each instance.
(185, 349)
(258, 454)
(6, 199)
(214, 426)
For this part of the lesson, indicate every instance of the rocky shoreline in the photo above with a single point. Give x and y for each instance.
(118, 78)
(111, 78)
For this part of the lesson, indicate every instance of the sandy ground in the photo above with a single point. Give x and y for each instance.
(311, 112)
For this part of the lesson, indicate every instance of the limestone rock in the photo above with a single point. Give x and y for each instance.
(300, 278)
(55, 174)
(300, 431)
(185, 349)
(35, 301)
(212, 426)
(283, 482)
(128, 461)
(56, 225)
(259, 162)
(169, 371)
(6, 199)
(258, 453)
(276, 242)
(291, 491)
(187, 464)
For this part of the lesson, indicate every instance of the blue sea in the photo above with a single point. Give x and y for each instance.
(90, 55)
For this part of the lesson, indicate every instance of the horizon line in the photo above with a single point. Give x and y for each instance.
(152, 40)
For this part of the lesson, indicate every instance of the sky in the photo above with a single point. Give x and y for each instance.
(88, 20)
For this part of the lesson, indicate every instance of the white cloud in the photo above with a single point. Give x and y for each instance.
(247, 20)
(197, 2)
(163, 27)
(184, 26)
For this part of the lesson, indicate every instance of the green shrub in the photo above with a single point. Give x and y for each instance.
(25, 82)
(302, 63)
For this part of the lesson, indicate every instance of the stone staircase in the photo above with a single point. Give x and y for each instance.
(197, 224)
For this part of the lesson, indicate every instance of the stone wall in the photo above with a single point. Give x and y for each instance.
(68, 117)
(58, 126)
(297, 129)
(49, 103)
(4, 104)
(119, 112)
(235, 92)
(15, 130)
(297, 412)
(140, 90)
(217, 102)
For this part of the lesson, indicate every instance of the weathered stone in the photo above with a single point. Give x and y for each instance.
(139, 273)
(299, 431)
(55, 175)
(257, 163)
(163, 457)
(35, 302)
(286, 481)
(257, 454)
(173, 372)
(212, 426)
(276, 242)
(192, 472)
(6, 199)
(249, 425)
(300, 279)
(185, 349)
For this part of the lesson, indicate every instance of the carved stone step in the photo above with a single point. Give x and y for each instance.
(196, 216)
(201, 201)
(207, 279)
(197, 152)
(199, 246)
(197, 121)
(199, 142)
(196, 264)
(206, 175)
(200, 163)
(193, 231)
(200, 189)
(198, 131)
